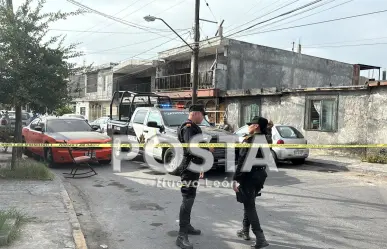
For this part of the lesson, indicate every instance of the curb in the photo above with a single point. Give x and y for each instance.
(79, 238)
(348, 168)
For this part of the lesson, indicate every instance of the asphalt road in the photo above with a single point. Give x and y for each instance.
(300, 207)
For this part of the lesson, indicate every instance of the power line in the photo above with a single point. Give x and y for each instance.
(253, 13)
(130, 5)
(295, 14)
(287, 4)
(348, 45)
(315, 23)
(173, 6)
(109, 32)
(128, 45)
(84, 7)
(210, 10)
(134, 12)
(311, 14)
(328, 43)
(283, 14)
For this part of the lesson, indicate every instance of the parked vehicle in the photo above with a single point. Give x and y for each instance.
(145, 115)
(59, 129)
(284, 134)
(11, 119)
(72, 115)
(101, 123)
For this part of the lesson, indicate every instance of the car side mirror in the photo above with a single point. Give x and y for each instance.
(38, 128)
(95, 127)
(152, 124)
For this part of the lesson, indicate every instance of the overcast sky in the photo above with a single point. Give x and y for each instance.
(328, 40)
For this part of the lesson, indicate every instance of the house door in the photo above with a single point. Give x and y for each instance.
(249, 112)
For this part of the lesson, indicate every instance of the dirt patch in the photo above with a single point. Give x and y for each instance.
(146, 206)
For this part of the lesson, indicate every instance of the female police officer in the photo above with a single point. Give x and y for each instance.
(251, 184)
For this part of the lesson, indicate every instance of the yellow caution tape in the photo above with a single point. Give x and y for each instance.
(201, 145)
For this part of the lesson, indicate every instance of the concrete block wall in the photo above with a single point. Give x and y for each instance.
(362, 117)
(254, 66)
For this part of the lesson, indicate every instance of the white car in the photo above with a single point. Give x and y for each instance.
(284, 134)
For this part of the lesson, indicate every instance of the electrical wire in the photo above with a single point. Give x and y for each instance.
(279, 8)
(84, 7)
(328, 43)
(253, 13)
(283, 14)
(315, 23)
(134, 12)
(127, 7)
(104, 32)
(312, 14)
(295, 14)
(129, 45)
(348, 45)
(173, 6)
(210, 10)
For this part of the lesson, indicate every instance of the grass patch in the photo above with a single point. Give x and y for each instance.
(379, 158)
(27, 169)
(20, 219)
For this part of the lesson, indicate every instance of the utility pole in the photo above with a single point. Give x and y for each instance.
(195, 54)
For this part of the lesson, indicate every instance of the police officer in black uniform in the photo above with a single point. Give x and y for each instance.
(186, 131)
(251, 184)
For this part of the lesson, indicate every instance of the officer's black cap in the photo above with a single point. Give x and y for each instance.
(197, 108)
(262, 122)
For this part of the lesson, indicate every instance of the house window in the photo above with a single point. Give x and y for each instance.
(83, 111)
(250, 111)
(104, 111)
(321, 113)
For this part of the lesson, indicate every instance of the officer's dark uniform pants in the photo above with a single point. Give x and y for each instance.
(189, 194)
(250, 216)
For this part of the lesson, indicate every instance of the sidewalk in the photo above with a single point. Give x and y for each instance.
(53, 223)
(347, 164)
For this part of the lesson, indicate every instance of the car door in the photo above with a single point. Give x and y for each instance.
(138, 124)
(32, 135)
(149, 132)
(40, 137)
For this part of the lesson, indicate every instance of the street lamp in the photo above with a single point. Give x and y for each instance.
(153, 18)
(195, 50)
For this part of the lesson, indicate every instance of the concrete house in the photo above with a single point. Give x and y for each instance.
(227, 66)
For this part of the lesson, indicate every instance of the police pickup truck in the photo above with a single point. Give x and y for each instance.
(158, 117)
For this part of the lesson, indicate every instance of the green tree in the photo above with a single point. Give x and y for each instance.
(35, 68)
(63, 110)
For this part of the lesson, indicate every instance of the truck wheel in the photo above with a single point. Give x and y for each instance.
(168, 156)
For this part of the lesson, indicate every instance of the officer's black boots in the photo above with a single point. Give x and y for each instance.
(260, 241)
(183, 242)
(192, 231)
(244, 234)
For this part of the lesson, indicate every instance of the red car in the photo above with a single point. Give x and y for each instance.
(64, 129)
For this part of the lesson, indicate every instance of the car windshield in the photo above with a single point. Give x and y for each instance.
(68, 125)
(176, 118)
(289, 132)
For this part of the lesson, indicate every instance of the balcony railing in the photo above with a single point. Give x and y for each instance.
(183, 81)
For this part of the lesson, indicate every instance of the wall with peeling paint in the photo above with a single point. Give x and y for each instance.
(254, 66)
(362, 116)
